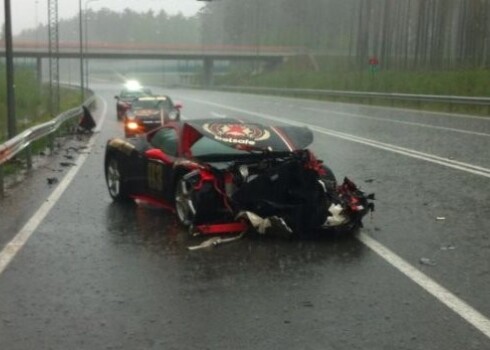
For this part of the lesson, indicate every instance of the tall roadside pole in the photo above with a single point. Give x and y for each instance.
(80, 25)
(87, 2)
(12, 127)
(54, 60)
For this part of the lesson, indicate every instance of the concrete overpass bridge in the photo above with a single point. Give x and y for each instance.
(270, 55)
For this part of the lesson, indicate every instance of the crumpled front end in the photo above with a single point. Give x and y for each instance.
(291, 194)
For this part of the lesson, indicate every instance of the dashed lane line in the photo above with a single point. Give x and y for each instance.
(471, 315)
(457, 305)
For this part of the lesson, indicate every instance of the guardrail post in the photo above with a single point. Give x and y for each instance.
(2, 193)
(29, 157)
(51, 143)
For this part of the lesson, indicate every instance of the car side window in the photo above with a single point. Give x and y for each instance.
(166, 140)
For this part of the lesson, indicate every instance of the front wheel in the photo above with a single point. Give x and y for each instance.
(328, 179)
(184, 207)
(115, 180)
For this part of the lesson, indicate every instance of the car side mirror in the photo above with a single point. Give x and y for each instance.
(178, 105)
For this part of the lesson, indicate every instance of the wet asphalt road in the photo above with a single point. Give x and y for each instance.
(95, 275)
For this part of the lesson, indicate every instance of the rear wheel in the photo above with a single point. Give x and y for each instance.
(116, 183)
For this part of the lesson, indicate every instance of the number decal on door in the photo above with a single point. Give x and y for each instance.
(155, 176)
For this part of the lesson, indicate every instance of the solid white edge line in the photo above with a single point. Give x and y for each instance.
(218, 115)
(12, 248)
(461, 308)
(472, 316)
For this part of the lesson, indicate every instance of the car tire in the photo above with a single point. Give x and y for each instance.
(184, 209)
(116, 181)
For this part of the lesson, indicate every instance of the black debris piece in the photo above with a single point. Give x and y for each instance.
(52, 180)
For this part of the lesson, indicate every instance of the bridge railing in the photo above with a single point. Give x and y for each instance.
(22, 143)
(363, 95)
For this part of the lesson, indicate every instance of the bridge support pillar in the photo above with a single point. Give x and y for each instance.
(208, 72)
(39, 71)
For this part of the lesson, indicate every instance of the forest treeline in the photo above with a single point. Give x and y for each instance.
(107, 26)
(402, 34)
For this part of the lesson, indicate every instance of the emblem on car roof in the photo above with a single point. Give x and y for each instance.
(238, 133)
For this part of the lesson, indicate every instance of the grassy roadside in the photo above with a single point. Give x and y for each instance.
(31, 109)
(31, 101)
(300, 75)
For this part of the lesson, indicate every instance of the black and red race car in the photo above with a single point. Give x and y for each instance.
(227, 176)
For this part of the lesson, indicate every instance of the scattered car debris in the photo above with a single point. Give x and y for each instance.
(427, 261)
(52, 180)
(215, 241)
(440, 218)
(273, 225)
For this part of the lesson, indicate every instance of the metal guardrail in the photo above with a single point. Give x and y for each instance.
(467, 100)
(22, 141)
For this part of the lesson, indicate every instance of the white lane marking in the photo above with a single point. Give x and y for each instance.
(360, 116)
(470, 168)
(424, 113)
(218, 115)
(471, 315)
(457, 305)
(12, 248)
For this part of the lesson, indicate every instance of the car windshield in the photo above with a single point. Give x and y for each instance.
(146, 104)
(152, 104)
(133, 94)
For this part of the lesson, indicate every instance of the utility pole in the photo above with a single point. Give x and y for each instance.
(12, 127)
(54, 61)
(80, 29)
(87, 2)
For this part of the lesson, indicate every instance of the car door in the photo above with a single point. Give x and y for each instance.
(160, 159)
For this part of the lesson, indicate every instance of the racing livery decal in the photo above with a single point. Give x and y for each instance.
(237, 133)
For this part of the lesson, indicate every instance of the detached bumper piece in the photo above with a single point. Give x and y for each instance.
(348, 206)
(215, 229)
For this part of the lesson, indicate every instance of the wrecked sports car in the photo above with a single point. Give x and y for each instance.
(227, 176)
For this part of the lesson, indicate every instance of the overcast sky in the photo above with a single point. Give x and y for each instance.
(28, 13)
